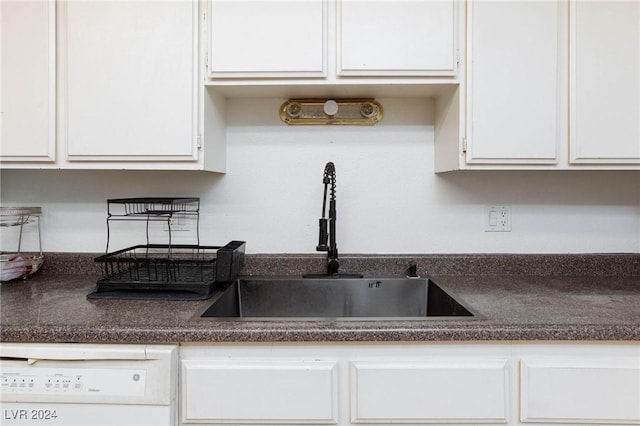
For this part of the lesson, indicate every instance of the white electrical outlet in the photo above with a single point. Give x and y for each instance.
(497, 218)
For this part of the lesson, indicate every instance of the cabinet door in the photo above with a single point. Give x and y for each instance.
(396, 37)
(467, 391)
(605, 82)
(580, 390)
(514, 92)
(27, 87)
(255, 391)
(272, 38)
(130, 79)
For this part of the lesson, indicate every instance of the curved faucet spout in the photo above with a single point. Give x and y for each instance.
(327, 240)
(327, 225)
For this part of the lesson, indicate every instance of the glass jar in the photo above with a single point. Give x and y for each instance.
(20, 244)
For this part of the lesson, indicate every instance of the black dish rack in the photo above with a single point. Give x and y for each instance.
(164, 271)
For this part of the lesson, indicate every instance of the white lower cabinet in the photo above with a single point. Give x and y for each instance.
(411, 383)
(575, 390)
(259, 391)
(429, 391)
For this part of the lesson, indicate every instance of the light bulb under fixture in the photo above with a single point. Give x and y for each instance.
(330, 107)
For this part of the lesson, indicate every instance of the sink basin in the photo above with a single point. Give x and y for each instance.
(393, 298)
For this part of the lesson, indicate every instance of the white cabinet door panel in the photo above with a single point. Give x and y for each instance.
(581, 391)
(470, 391)
(514, 82)
(605, 82)
(267, 38)
(396, 38)
(27, 86)
(269, 391)
(130, 79)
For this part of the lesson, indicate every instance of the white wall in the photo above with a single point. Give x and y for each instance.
(389, 199)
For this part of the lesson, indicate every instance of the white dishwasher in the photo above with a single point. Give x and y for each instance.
(88, 384)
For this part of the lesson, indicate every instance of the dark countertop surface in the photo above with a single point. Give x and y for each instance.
(51, 306)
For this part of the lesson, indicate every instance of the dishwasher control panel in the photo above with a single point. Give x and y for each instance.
(73, 381)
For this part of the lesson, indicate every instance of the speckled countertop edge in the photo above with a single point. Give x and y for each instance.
(609, 264)
(283, 333)
(74, 273)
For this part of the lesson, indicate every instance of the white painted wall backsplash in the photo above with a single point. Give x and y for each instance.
(389, 199)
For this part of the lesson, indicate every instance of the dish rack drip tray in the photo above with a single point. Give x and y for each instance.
(168, 272)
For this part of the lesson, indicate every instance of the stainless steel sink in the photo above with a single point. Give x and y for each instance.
(290, 298)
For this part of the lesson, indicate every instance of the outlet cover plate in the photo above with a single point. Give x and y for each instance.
(497, 218)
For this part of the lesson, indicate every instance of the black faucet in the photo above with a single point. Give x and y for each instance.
(327, 237)
(329, 178)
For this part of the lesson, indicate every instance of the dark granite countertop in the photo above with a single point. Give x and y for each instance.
(586, 298)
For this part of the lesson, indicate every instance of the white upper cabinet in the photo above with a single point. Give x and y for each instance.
(130, 80)
(27, 87)
(605, 82)
(549, 85)
(514, 92)
(328, 39)
(396, 37)
(92, 84)
(257, 38)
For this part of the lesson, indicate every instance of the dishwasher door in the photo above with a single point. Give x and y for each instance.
(88, 384)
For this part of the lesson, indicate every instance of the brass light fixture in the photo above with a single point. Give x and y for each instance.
(360, 111)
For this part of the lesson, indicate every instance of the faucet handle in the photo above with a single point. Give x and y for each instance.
(324, 236)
